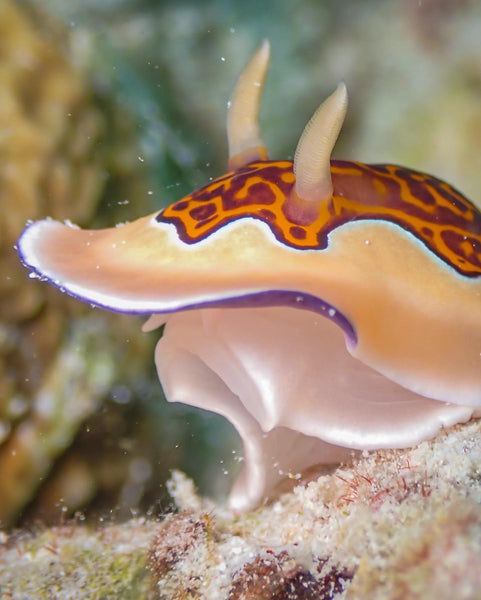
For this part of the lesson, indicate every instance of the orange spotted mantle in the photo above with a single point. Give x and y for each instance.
(432, 210)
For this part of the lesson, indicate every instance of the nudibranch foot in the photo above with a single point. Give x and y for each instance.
(297, 398)
(321, 305)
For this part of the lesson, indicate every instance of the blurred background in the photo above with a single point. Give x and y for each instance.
(110, 110)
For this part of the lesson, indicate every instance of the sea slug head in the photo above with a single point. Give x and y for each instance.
(320, 305)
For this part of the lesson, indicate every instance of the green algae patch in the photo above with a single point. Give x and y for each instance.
(74, 561)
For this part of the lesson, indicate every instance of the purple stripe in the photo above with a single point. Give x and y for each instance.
(287, 298)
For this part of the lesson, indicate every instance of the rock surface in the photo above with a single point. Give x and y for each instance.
(393, 524)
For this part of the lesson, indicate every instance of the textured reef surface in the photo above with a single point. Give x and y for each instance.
(393, 524)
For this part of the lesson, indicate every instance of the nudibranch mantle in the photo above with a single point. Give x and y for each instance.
(432, 210)
(320, 305)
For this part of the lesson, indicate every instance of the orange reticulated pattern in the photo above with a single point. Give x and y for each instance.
(432, 210)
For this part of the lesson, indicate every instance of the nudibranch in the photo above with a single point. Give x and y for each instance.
(320, 305)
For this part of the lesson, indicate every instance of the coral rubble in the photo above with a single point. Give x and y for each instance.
(393, 524)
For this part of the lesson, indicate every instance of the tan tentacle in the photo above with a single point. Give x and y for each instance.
(312, 158)
(244, 138)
